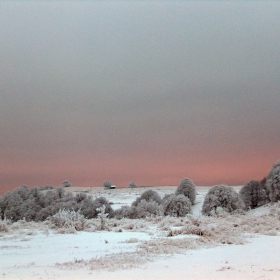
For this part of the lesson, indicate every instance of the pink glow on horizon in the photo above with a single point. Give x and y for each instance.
(151, 172)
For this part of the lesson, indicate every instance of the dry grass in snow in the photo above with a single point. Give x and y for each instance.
(69, 242)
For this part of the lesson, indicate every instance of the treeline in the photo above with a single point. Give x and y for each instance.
(35, 204)
(39, 203)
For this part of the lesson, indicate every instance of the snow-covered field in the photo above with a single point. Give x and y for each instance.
(195, 247)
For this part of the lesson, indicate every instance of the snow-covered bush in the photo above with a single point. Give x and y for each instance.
(80, 197)
(187, 188)
(4, 225)
(46, 187)
(148, 204)
(146, 208)
(176, 205)
(149, 196)
(66, 184)
(273, 182)
(143, 209)
(253, 195)
(103, 217)
(275, 210)
(46, 212)
(66, 218)
(107, 184)
(125, 212)
(91, 208)
(263, 186)
(132, 185)
(222, 196)
(21, 203)
(276, 164)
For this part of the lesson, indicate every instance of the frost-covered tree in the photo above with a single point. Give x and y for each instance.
(253, 195)
(132, 185)
(176, 205)
(107, 184)
(187, 188)
(273, 182)
(277, 163)
(66, 184)
(222, 196)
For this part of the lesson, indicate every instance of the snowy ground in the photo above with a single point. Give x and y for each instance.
(195, 247)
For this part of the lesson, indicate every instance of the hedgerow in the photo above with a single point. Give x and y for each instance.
(36, 205)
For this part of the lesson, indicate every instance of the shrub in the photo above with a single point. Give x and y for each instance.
(145, 209)
(66, 218)
(176, 205)
(148, 204)
(107, 184)
(66, 184)
(80, 197)
(109, 210)
(276, 164)
(46, 187)
(46, 212)
(253, 195)
(91, 208)
(103, 217)
(125, 212)
(165, 198)
(51, 197)
(3, 225)
(222, 196)
(149, 196)
(132, 185)
(187, 188)
(21, 203)
(263, 185)
(273, 182)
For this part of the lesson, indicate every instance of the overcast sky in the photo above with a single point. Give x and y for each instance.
(144, 91)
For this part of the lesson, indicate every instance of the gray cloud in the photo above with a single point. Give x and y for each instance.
(117, 78)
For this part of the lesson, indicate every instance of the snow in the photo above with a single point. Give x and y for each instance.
(142, 250)
(259, 259)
